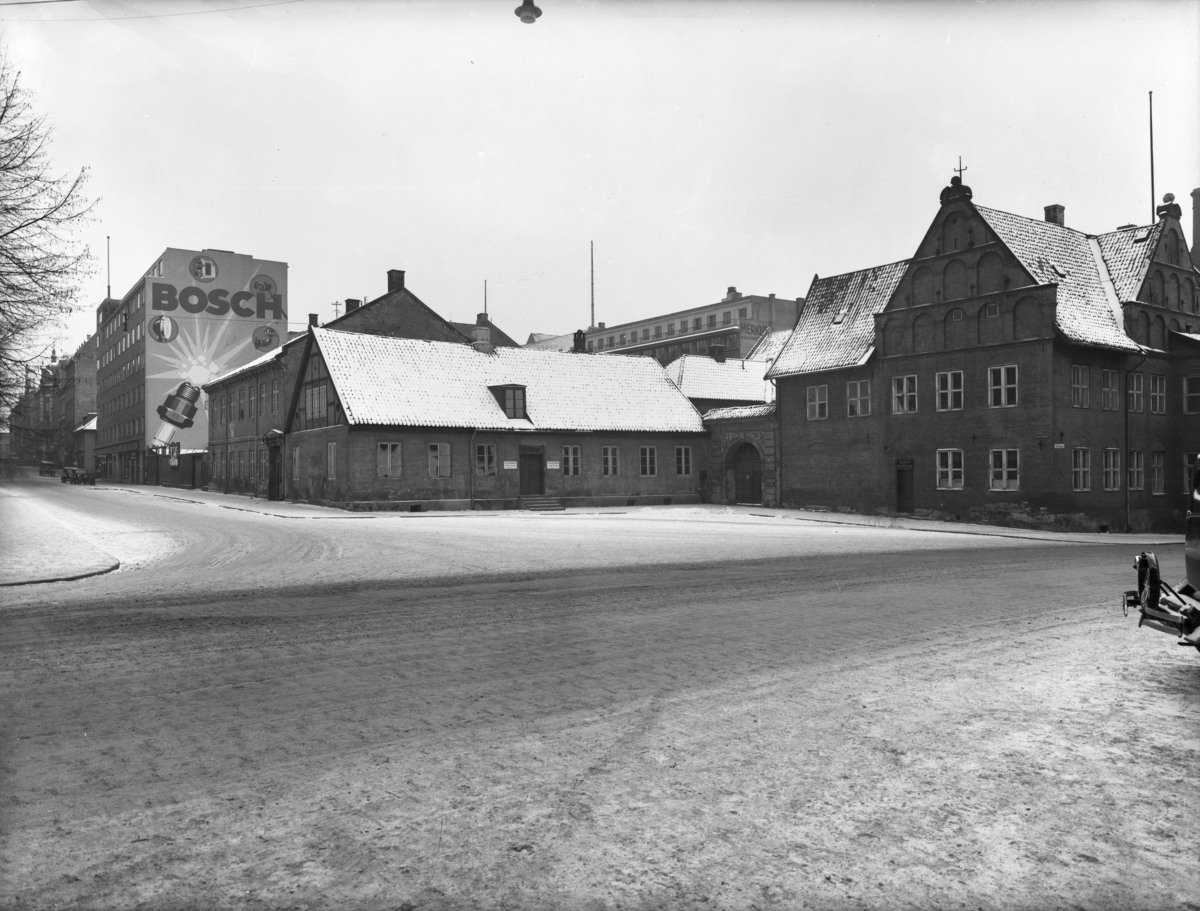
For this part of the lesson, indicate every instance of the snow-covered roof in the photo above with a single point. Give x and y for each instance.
(769, 345)
(544, 342)
(89, 424)
(1127, 254)
(740, 411)
(247, 367)
(1054, 254)
(700, 377)
(837, 325)
(411, 382)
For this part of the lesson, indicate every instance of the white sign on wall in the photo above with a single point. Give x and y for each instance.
(511, 466)
(552, 466)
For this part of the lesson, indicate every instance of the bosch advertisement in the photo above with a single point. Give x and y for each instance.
(207, 314)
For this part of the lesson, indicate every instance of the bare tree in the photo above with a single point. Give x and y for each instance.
(41, 258)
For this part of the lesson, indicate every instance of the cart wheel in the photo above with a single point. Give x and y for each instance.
(1149, 580)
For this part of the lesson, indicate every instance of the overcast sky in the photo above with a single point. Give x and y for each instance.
(698, 144)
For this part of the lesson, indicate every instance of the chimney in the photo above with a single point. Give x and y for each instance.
(1196, 227)
(717, 352)
(580, 346)
(1055, 214)
(353, 304)
(312, 319)
(601, 326)
(732, 294)
(481, 333)
(395, 280)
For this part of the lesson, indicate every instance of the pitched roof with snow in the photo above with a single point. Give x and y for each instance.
(1127, 254)
(822, 340)
(248, 367)
(415, 383)
(545, 342)
(89, 424)
(700, 377)
(769, 345)
(1053, 254)
(740, 412)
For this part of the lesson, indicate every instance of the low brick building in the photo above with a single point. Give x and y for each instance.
(390, 423)
(1014, 370)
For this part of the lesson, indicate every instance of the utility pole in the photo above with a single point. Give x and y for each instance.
(592, 248)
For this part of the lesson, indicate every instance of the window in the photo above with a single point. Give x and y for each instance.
(1005, 470)
(514, 402)
(387, 460)
(241, 469)
(570, 461)
(949, 469)
(224, 421)
(649, 460)
(212, 416)
(1002, 385)
(991, 310)
(818, 403)
(1080, 391)
(646, 334)
(696, 324)
(610, 341)
(1081, 469)
(726, 318)
(251, 403)
(610, 461)
(950, 391)
(658, 331)
(263, 469)
(904, 394)
(622, 338)
(683, 460)
(1191, 394)
(712, 319)
(1158, 464)
(858, 398)
(1189, 468)
(250, 462)
(485, 460)
(331, 460)
(1133, 397)
(1110, 390)
(439, 460)
(670, 328)
(241, 403)
(1137, 479)
(741, 312)
(1158, 394)
(262, 399)
(274, 396)
(1112, 469)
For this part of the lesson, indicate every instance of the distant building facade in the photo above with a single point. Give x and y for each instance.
(736, 322)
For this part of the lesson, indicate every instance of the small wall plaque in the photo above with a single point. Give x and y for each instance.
(1060, 445)
(553, 466)
(510, 466)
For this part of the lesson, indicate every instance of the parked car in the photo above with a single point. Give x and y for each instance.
(46, 470)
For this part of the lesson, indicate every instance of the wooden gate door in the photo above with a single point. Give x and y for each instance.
(747, 475)
(904, 489)
(274, 461)
(533, 479)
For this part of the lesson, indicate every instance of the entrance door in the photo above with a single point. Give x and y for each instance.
(274, 469)
(904, 489)
(747, 475)
(533, 478)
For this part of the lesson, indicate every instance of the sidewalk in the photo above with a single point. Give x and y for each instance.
(29, 532)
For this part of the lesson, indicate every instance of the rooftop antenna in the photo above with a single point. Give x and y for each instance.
(592, 247)
(337, 308)
(1153, 215)
(485, 297)
(108, 258)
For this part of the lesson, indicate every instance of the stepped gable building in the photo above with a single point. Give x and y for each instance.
(736, 323)
(1013, 371)
(249, 404)
(395, 423)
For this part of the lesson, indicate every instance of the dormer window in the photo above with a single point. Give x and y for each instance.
(511, 399)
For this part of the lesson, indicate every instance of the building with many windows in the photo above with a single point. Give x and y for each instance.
(1014, 370)
(395, 423)
(736, 323)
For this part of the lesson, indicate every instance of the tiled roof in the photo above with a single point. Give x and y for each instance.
(500, 338)
(1054, 254)
(545, 342)
(818, 342)
(259, 361)
(1127, 255)
(410, 382)
(769, 344)
(700, 377)
(740, 411)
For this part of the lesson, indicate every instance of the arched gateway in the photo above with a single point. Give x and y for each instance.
(746, 463)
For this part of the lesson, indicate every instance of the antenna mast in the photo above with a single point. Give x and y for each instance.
(592, 247)
(1152, 197)
(485, 297)
(108, 258)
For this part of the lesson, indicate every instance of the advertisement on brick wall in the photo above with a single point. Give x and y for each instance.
(208, 313)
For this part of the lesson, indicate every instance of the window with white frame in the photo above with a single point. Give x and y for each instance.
(295, 463)
(950, 391)
(818, 403)
(1133, 389)
(949, 469)
(649, 461)
(858, 398)
(485, 460)
(1006, 474)
(1137, 477)
(570, 460)
(683, 460)
(387, 460)
(610, 461)
(1080, 386)
(1158, 472)
(1081, 468)
(1191, 394)
(904, 394)
(1110, 390)
(331, 461)
(1158, 394)
(1112, 469)
(439, 460)
(1189, 469)
(274, 395)
(1002, 386)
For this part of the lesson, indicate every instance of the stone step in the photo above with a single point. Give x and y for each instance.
(542, 504)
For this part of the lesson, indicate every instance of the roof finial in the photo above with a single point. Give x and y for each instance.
(959, 169)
